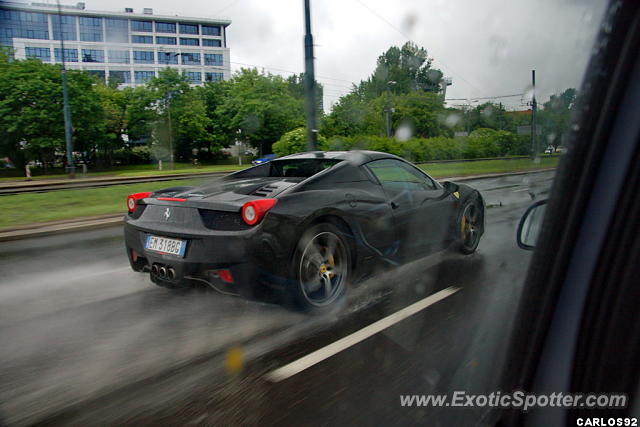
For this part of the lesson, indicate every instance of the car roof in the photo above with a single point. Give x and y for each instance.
(356, 156)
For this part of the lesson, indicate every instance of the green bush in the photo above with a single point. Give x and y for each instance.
(481, 143)
(137, 155)
(295, 141)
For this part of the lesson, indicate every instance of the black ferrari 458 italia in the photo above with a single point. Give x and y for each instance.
(310, 223)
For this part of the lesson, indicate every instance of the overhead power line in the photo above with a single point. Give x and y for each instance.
(289, 71)
(232, 3)
(329, 91)
(471, 98)
(403, 34)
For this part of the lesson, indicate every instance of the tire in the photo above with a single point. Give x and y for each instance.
(321, 269)
(469, 227)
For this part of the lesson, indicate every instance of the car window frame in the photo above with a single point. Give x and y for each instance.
(431, 183)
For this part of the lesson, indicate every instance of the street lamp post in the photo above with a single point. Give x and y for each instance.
(388, 109)
(309, 82)
(68, 130)
(534, 108)
(170, 134)
(239, 147)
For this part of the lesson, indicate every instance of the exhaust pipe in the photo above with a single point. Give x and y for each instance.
(154, 269)
(163, 272)
(171, 273)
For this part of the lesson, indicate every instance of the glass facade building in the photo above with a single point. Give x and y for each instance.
(90, 29)
(125, 47)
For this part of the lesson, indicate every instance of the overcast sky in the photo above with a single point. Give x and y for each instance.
(487, 47)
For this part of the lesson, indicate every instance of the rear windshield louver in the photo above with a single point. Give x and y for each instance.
(221, 220)
(265, 190)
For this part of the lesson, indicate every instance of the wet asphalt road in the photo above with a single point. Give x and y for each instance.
(87, 341)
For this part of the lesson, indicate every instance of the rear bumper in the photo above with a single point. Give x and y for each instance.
(242, 253)
(253, 256)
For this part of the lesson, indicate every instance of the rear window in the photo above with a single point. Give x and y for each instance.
(300, 168)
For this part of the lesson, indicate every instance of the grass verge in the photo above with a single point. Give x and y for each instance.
(487, 166)
(28, 208)
(136, 170)
(20, 209)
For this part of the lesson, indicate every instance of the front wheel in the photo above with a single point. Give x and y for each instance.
(470, 226)
(322, 268)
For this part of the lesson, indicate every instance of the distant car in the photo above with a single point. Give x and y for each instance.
(267, 158)
(310, 223)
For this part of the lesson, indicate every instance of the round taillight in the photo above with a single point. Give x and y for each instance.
(250, 214)
(255, 210)
(132, 200)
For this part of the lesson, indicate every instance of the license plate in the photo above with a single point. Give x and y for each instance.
(165, 245)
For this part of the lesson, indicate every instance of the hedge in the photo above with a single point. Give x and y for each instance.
(480, 143)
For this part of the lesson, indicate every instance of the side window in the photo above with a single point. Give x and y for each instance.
(394, 174)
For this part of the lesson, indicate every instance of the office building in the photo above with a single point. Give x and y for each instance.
(127, 47)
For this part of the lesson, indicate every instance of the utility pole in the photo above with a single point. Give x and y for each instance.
(168, 106)
(309, 82)
(239, 146)
(534, 107)
(388, 109)
(170, 138)
(68, 130)
(446, 81)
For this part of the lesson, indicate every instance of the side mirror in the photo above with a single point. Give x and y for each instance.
(450, 187)
(530, 224)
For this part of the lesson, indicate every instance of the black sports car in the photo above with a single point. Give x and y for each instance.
(311, 223)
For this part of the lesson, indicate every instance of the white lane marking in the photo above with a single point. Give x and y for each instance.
(336, 347)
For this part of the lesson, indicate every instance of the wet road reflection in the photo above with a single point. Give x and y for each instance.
(76, 322)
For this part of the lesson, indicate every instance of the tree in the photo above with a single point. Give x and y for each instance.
(403, 80)
(170, 113)
(31, 118)
(259, 109)
(140, 115)
(556, 114)
(114, 107)
(295, 141)
(408, 67)
(214, 95)
(295, 84)
(422, 112)
(350, 116)
(191, 125)
(488, 115)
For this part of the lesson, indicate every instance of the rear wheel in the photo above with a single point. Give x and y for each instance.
(322, 268)
(470, 226)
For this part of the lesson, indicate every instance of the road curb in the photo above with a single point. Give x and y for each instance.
(39, 187)
(59, 227)
(493, 175)
(67, 226)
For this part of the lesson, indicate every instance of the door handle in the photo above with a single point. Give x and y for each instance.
(394, 205)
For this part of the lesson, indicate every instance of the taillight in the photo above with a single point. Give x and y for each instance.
(172, 199)
(255, 210)
(225, 276)
(132, 200)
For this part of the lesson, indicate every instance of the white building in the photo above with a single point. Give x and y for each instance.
(126, 47)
